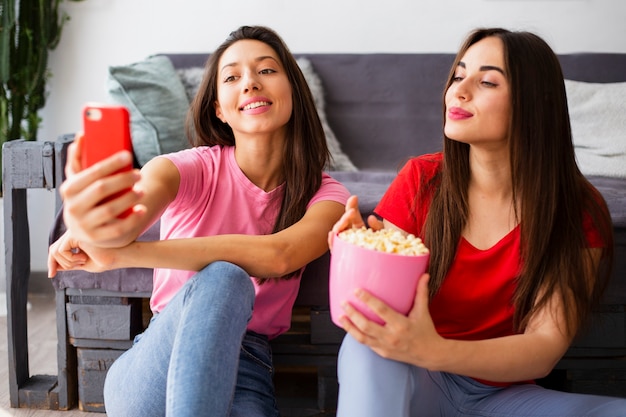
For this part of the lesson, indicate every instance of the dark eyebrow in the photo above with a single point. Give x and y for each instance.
(485, 68)
(258, 59)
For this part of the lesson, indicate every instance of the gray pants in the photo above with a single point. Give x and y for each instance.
(371, 386)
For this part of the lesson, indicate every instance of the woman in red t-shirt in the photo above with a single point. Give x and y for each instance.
(521, 246)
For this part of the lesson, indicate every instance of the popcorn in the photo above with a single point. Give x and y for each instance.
(385, 240)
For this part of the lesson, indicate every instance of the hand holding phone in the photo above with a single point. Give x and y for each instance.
(106, 130)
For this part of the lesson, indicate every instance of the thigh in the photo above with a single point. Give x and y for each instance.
(254, 393)
(214, 310)
(189, 337)
(370, 385)
(529, 400)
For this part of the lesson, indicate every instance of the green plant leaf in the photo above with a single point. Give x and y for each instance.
(29, 30)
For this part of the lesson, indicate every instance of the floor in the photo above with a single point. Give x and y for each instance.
(42, 355)
(42, 361)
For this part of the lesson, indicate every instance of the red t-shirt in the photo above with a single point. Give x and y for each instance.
(475, 299)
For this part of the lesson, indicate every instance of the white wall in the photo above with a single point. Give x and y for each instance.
(109, 32)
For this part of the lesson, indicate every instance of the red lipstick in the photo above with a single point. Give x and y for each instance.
(457, 113)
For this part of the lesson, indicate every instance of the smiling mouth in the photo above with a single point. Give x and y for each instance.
(255, 105)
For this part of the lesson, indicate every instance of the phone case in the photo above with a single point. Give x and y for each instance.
(106, 130)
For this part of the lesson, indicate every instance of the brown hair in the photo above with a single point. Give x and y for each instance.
(552, 194)
(305, 153)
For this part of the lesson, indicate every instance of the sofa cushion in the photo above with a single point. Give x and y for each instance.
(127, 280)
(191, 78)
(369, 186)
(157, 103)
(339, 160)
(612, 189)
(598, 126)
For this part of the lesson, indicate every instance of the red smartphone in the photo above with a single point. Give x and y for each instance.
(106, 131)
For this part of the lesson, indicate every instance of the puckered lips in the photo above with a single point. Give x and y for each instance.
(457, 113)
(256, 105)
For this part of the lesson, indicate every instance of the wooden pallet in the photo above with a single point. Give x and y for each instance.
(596, 363)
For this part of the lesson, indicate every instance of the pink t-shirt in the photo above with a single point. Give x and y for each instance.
(206, 206)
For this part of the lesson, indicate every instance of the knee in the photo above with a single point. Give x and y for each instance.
(370, 385)
(359, 361)
(230, 278)
(353, 352)
(228, 272)
(352, 355)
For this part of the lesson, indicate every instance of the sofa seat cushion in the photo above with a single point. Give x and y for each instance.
(612, 189)
(127, 280)
(369, 186)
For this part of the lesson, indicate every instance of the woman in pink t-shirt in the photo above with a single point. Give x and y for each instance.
(520, 243)
(242, 212)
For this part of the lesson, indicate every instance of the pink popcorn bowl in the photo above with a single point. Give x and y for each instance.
(390, 277)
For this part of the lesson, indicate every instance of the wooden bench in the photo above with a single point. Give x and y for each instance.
(95, 326)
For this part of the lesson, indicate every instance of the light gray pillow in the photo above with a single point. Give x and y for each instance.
(340, 161)
(598, 126)
(158, 104)
(191, 79)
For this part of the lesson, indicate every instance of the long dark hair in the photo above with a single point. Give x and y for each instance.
(305, 152)
(552, 194)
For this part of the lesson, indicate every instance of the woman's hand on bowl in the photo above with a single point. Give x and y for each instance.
(352, 218)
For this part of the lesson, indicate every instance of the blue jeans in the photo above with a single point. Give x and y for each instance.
(371, 386)
(196, 358)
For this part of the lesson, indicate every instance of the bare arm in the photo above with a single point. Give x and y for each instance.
(526, 356)
(262, 256)
(93, 225)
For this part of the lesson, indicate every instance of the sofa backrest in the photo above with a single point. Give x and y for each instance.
(373, 100)
(384, 108)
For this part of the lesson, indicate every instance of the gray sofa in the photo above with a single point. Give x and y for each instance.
(383, 109)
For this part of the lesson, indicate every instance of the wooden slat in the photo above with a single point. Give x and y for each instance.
(99, 321)
(24, 165)
(28, 164)
(42, 349)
